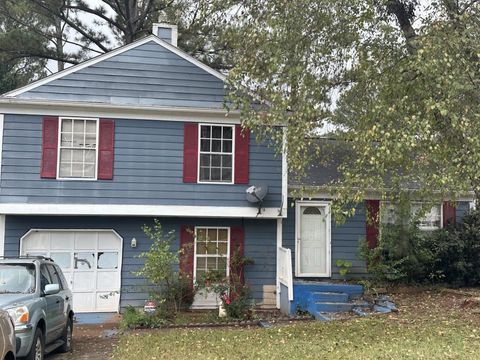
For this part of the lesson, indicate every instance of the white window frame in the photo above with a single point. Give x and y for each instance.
(195, 248)
(199, 150)
(384, 204)
(60, 119)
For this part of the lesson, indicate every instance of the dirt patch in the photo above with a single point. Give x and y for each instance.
(92, 342)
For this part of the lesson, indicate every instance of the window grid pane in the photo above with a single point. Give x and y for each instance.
(216, 153)
(78, 143)
(211, 246)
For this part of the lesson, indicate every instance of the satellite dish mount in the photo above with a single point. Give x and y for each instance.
(256, 194)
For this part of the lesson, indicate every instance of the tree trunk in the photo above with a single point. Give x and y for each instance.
(59, 44)
(403, 16)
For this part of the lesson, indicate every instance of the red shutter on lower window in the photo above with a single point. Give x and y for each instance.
(449, 213)
(237, 250)
(49, 147)
(373, 221)
(106, 143)
(190, 153)
(242, 142)
(187, 243)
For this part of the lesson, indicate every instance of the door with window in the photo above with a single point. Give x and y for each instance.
(313, 240)
(90, 261)
(212, 249)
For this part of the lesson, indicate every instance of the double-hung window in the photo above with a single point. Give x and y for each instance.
(78, 146)
(211, 250)
(431, 220)
(216, 154)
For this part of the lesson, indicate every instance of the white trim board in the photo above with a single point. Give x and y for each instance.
(2, 120)
(78, 109)
(139, 210)
(2, 235)
(110, 54)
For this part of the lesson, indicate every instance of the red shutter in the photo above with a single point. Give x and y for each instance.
(373, 219)
(190, 153)
(106, 141)
(242, 141)
(237, 249)
(449, 213)
(49, 147)
(187, 243)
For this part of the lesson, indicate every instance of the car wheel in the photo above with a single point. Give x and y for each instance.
(38, 347)
(67, 337)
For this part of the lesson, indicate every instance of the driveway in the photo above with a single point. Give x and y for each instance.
(90, 342)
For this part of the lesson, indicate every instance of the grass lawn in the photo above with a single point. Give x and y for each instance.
(431, 324)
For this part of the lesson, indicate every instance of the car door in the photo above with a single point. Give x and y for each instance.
(64, 293)
(54, 307)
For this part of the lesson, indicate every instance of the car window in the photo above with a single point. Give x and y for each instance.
(45, 278)
(17, 278)
(62, 277)
(54, 275)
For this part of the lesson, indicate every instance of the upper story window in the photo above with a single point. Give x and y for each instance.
(216, 154)
(78, 148)
(431, 220)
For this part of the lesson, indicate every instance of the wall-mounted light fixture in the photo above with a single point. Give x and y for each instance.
(133, 243)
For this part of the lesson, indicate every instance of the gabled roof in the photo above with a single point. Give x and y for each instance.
(147, 72)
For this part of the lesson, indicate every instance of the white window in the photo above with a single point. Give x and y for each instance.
(431, 220)
(212, 250)
(78, 143)
(216, 154)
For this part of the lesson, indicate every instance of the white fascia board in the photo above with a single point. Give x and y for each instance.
(110, 54)
(140, 210)
(85, 109)
(371, 195)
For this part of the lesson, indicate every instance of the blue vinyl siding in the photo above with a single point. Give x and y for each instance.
(148, 169)
(345, 241)
(345, 238)
(148, 75)
(260, 245)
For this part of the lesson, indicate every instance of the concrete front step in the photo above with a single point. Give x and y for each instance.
(354, 291)
(330, 297)
(327, 307)
(333, 307)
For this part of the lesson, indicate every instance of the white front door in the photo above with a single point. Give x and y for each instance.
(313, 239)
(89, 259)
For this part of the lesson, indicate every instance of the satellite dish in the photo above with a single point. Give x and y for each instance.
(256, 194)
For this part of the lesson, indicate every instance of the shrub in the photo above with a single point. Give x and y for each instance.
(401, 254)
(170, 289)
(406, 254)
(133, 318)
(233, 293)
(457, 251)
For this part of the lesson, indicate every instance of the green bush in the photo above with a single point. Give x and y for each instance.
(402, 254)
(133, 318)
(171, 290)
(457, 251)
(408, 255)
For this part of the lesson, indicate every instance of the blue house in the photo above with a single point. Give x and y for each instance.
(91, 154)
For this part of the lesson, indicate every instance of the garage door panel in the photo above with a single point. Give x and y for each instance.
(90, 261)
(83, 281)
(85, 240)
(38, 241)
(84, 302)
(107, 300)
(108, 241)
(62, 240)
(107, 281)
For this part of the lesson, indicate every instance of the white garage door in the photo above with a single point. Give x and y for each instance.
(90, 259)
